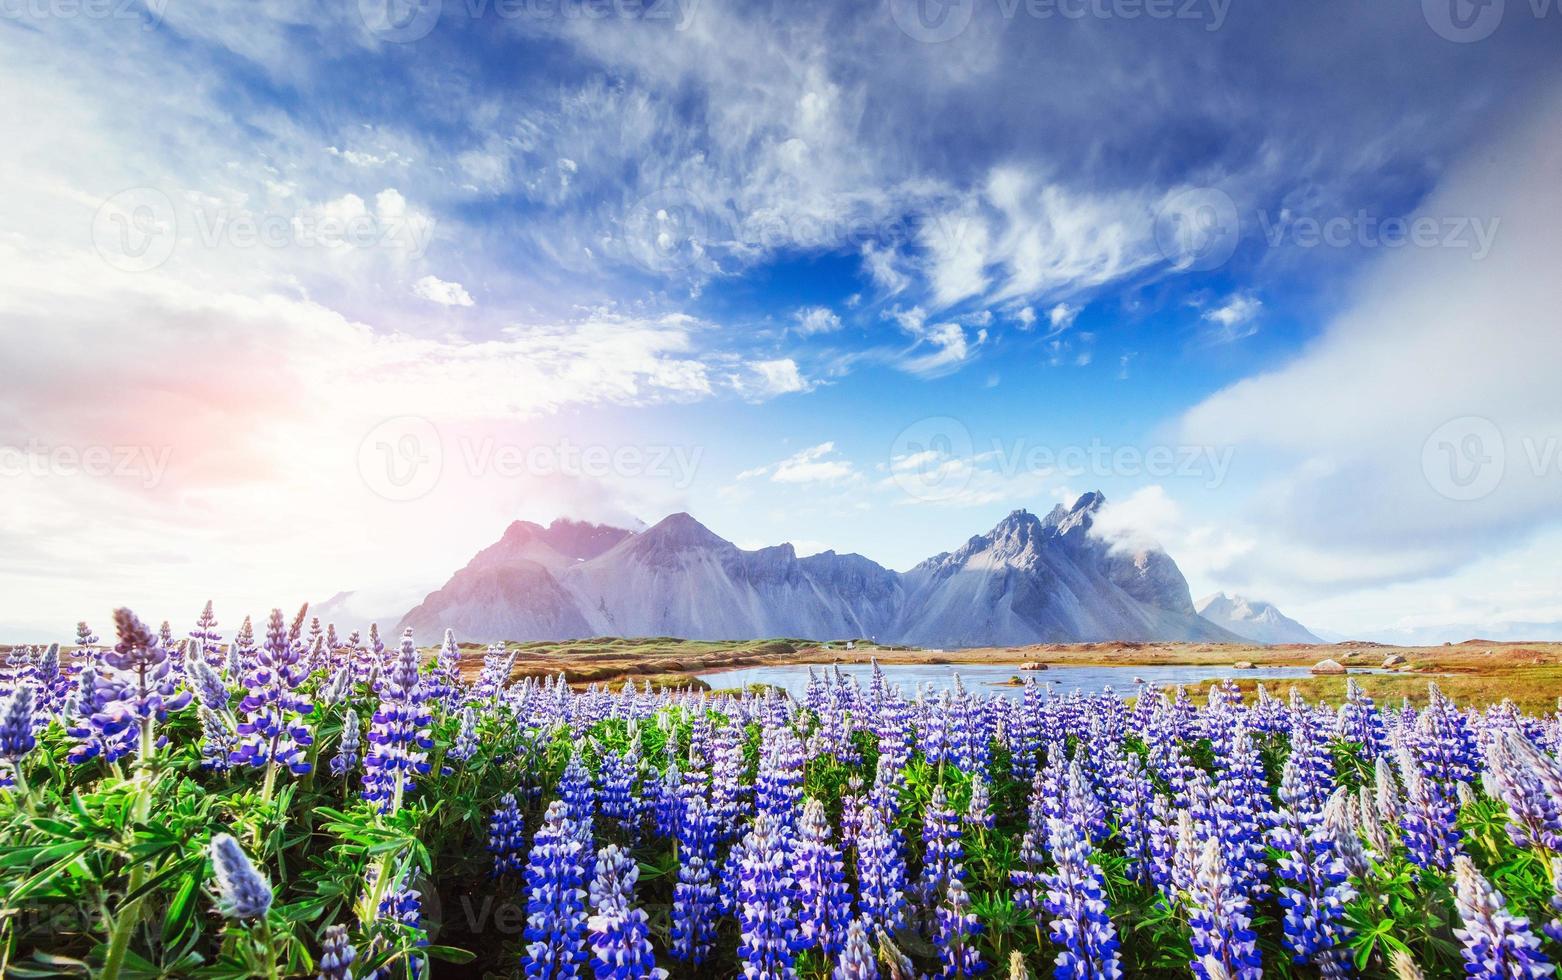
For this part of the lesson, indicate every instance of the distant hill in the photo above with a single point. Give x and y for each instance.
(1253, 619)
(1028, 580)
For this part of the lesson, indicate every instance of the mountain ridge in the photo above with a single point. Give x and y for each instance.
(1030, 579)
(1253, 619)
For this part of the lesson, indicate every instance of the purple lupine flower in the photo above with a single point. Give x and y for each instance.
(857, 961)
(1534, 817)
(824, 902)
(206, 640)
(1314, 891)
(336, 954)
(978, 813)
(617, 799)
(957, 927)
(339, 687)
(942, 849)
(1074, 897)
(507, 837)
(444, 679)
(763, 898)
(242, 891)
(398, 733)
(16, 724)
(1339, 822)
(1553, 926)
(96, 717)
(1026, 878)
(498, 664)
(1242, 811)
(620, 937)
(1498, 945)
(670, 802)
(465, 745)
(556, 899)
(85, 638)
(273, 732)
(1360, 722)
(579, 796)
(1307, 781)
(210, 689)
(881, 872)
(217, 739)
(695, 897)
(348, 749)
(1427, 820)
(149, 687)
(1220, 920)
(1447, 745)
(779, 786)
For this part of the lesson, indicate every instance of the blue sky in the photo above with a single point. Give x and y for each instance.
(812, 271)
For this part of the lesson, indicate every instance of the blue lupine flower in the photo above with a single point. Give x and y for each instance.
(465, 745)
(978, 812)
(507, 837)
(824, 902)
(556, 899)
(881, 872)
(694, 896)
(766, 912)
(1080, 922)
(16, 724)
(273, 731)
(217, 739)
(620, 938)
(942, 849)
(1220, 920)
(1360, 722)
(1314, 891)
(336, 954)
(348, 749)
(242, 892)
(210, 689)
(1427, 822)
(957, 926)
(857, 960)
(1497, 944)
(398, 733)
(578, 795)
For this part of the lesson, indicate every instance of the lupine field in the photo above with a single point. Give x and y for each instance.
(287, 802)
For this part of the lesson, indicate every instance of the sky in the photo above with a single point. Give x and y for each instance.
(305, 298)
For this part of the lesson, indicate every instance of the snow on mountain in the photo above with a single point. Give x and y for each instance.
(1027, 580)
(1253, 619)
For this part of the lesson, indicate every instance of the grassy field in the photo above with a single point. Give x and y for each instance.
(1476, 672)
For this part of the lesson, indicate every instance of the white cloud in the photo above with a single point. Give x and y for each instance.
(819, 464)
(1442, 366)
(769, 378)
(1062, 317)
(816, 319)
(937, 348)
(1234, 319)
(437, 290)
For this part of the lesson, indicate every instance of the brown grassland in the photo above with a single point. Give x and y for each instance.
(1476, 672)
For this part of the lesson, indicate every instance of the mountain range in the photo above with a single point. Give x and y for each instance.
(1029, 580)
(1253, 619)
